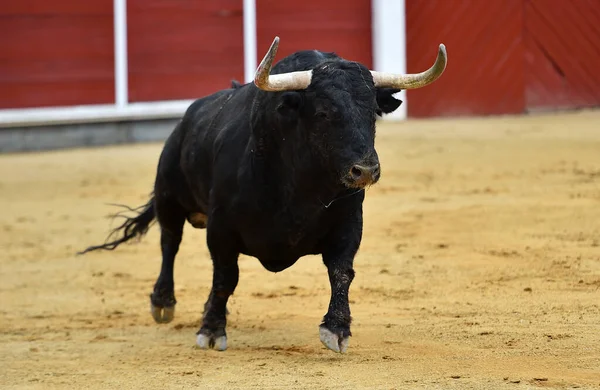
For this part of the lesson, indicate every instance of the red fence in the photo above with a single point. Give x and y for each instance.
(56, 53)
(341, 26)
(562, 44)
(505, 56)
(61, 53)
(183, 49)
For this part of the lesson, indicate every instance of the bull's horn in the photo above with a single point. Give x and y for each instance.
(279, 82)
(412, 81)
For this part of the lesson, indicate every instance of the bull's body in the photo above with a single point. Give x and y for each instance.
(265, 193)
(266, 185)
(274, 175)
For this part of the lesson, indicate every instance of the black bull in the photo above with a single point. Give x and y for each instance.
(272, 173)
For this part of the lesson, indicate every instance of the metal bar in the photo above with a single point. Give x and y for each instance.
(249, 40)
(388, 27)
(120, 43)
(28, 117)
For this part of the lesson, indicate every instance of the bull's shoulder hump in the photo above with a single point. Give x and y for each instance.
(208, 101)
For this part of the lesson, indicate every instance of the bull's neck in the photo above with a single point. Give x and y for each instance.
(291, 173)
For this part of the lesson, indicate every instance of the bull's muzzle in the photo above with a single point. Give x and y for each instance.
(361, 176)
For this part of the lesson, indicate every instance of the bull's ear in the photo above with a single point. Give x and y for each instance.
(386, 101)
(289, 104)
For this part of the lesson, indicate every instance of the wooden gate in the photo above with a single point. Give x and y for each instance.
(505, 56)
(562, 45)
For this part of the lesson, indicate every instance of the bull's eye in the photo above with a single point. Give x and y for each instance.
(322, 115)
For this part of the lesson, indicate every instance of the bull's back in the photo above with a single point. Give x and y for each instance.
(207, 130)
(184, 167)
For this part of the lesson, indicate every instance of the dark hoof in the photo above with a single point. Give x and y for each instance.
(210, 340)
(337, 342)
(162, 315)
(162, 306)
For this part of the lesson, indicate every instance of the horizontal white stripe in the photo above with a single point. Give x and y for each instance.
(92, 113)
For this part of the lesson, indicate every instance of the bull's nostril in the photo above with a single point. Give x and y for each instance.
(356, 172)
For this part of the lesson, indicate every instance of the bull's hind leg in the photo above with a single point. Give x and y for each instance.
(162, 300)
(224, 255)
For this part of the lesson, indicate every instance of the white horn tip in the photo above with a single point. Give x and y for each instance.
(443, 48)
(275, 42)
(274, 46)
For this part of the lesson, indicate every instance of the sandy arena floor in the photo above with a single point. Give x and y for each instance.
(480, 268)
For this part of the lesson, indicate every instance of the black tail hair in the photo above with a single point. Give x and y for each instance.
(133, 227)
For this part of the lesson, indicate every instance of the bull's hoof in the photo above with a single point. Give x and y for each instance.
(337, 343)
(162, 305)
(162, 315)
(210, 341)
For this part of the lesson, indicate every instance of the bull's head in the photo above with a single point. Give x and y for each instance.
(335, 106)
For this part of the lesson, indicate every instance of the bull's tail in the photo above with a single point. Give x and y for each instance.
(133, 227)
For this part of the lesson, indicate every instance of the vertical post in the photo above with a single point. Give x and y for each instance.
(120, 43)
(249, 40)
(388, 29)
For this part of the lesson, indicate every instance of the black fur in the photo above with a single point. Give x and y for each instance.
(271, 170)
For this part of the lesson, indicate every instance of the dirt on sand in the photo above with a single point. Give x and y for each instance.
(479, 268)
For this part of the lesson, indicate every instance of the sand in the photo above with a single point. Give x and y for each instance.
(479, 268)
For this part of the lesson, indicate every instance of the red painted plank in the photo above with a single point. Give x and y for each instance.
(56, 7)
(341, 26)
(56, 53)
(485, 56)
(49, 94)
(183, 49)
(563, 54)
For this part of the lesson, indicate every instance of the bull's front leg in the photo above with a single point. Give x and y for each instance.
(339, 258)
(212, 333)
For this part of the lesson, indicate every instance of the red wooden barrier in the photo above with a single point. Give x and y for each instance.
(342, 26)
(562, 40)
(505, 56)
(56, 53)
(485, 72)
(183, 49)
